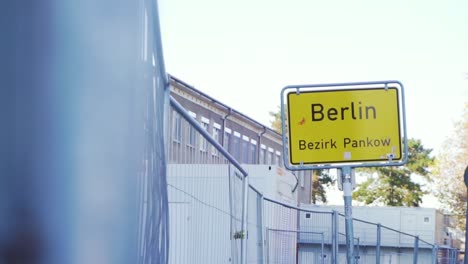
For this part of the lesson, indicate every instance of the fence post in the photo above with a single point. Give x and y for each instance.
(357, 252)
(434, 254)
(415, 252)
(323, 247)
(347, 178)
(245, 196)
(454, 255)
(267, 245)
(334, 237)
(261, 224)
(379, 239)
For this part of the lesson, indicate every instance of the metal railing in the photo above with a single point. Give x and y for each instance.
(217, 217)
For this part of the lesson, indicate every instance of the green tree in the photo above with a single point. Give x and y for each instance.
(394, 186)
(276, 122)
(452, 160)
(320, 178)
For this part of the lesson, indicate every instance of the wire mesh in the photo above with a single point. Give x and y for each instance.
(317, 222)
(281, 246)
(446, 255)
(153, 228)
(205, 199)
(255, 235)
(367, 232)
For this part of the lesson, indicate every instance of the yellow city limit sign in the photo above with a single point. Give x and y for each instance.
(341, 126)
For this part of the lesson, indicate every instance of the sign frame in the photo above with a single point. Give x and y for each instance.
(346, 87)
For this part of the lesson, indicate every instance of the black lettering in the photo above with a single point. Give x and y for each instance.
(356, 109)
(376, 143)
(343, 110)
(333, 143)
(302, 144)
(385, 142)
(352, 110)
(362, 143)
(318, 112)
(360, 111)
(332, 114)
(346, 141)
(368, 108)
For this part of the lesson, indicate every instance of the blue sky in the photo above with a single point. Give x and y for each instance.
(244, 52)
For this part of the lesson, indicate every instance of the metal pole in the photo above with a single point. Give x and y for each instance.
(245, 190)
(334, 237)
(267, 243)
(261, 226)
(346, 174)
(323, 246)
(416, 249)
(452, 256)
(194, 123)
(434, 254)
(233, 214)
(377, 249)
(358, 254)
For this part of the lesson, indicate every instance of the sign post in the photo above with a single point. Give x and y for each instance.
(346, 177)
(344, 126)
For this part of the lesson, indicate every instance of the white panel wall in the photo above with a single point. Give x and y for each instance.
(414, 221)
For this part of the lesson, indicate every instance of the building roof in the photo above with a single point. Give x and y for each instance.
(222, 105)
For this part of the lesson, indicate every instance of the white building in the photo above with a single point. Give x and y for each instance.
(398, 228)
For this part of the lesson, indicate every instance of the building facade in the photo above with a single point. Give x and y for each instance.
(398, 228)
(247, 140)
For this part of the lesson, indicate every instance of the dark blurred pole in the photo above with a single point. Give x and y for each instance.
(466, 216)
(26, 131)
(72, 130)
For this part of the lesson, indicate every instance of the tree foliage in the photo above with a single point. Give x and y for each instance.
(276, 122)
(452, 160)
(320, 179)
(394, 186)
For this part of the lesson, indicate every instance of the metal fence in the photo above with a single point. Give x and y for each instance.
(217, 217)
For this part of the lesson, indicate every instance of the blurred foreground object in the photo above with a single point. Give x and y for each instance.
(82, 172)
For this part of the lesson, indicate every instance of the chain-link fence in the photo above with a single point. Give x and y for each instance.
(216, 217)
(206, 197)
